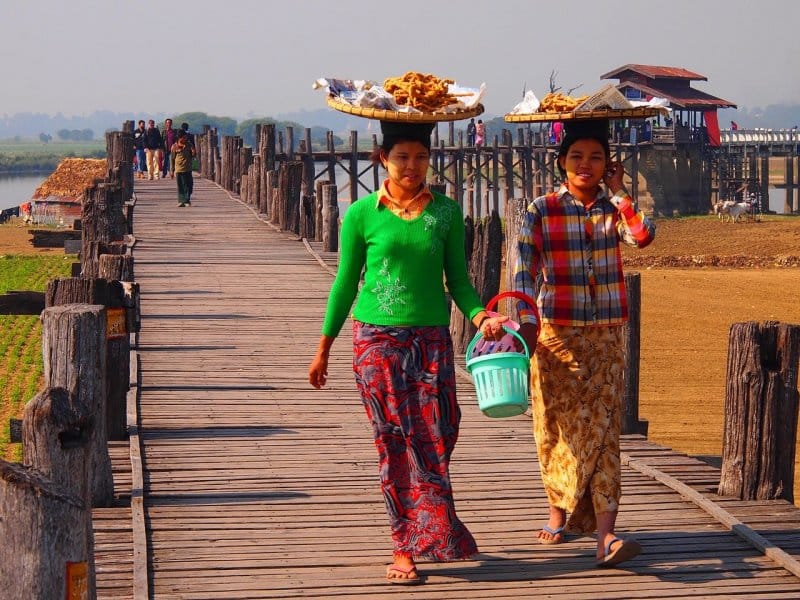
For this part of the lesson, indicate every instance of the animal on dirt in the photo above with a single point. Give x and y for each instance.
(730, 210)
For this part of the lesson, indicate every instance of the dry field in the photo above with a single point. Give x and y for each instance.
(698, 278)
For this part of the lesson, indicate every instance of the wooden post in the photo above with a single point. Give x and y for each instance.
(478, 172)
(56, 439)
(788, 203)
(353, 166)
(761, 402)
(117, 267)
(102, 222)
(289, 142)
(309, 169)
(495, 176)
(508, 166)
(269, 146)
(459, 173)
(375, 173)
(331, 158)
(484, 242)
(318, 208)
(273, 196)
(631, 343)
(48, 546)
(514, 214)
(74, 351)
(330, 219)
(291, 176)
(112, 295)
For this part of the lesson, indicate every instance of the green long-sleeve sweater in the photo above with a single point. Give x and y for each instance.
(403, 262)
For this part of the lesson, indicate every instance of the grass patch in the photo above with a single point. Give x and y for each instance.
(21, 365)
(31, 156)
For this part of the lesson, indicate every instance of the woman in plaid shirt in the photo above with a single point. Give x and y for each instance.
(570, 261)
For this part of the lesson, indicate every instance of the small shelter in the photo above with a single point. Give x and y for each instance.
(58, 200)
(692, 109)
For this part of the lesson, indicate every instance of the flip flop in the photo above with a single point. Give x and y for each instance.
(403, 580)
(625, 551)
(553, 532)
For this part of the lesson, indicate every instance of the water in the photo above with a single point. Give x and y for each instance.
(777, 200)
(16, 189)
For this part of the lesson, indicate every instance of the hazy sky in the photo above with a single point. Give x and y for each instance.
(259, 57)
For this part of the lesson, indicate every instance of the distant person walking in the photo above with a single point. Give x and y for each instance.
(182, 154)
(471, 132)
(480, 133)
(153, 147)
(170, 136)
(138, 144)
(734, 126)
(190, 136)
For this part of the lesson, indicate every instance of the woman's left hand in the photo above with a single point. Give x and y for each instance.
(492, 328)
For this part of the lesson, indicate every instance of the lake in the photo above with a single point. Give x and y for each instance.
(16, 189)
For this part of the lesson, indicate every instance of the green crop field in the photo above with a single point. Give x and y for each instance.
(21, 339)
(19, 156)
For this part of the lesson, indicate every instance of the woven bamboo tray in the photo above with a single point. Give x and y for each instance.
(403, 117)
(640, 112)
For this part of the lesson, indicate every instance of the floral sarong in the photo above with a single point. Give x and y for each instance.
(406, 378)
(576, 390)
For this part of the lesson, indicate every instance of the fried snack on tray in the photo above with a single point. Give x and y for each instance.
(558, 102)
(422, 91)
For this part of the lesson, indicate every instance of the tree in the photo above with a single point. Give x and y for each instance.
(63, 134)
(87, 135)
(555, 88)
(45, 138)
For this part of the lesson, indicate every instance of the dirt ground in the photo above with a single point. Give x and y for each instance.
(698, 278)
(15, 239)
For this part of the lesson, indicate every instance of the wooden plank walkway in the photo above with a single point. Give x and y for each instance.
(258, 486)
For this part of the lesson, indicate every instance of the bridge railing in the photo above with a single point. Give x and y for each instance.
(749, 136)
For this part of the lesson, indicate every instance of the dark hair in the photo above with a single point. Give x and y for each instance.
(185, 126)
(181, 133)
(571, 138)
(390, 141)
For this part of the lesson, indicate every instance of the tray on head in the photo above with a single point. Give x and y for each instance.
(639, 112)
(403, 117)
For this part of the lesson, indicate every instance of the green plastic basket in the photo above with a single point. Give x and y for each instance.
(501, 379)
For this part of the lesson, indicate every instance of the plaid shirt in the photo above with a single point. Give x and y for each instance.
(570, 260)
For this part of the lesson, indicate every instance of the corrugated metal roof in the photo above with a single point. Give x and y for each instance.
(681, 97)
(656, 72)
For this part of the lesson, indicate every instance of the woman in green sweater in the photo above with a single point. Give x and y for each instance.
(404, 238)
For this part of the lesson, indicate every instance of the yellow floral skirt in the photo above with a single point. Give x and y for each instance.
(576, 387)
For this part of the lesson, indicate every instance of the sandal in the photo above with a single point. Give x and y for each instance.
(626, 550)
(557, 535)
(415, 580)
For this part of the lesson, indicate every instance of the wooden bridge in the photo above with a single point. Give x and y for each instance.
(247, 483)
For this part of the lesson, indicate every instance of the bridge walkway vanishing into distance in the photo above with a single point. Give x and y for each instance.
(255, 485)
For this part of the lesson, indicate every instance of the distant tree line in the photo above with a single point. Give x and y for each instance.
(74, 135)
(247, 129)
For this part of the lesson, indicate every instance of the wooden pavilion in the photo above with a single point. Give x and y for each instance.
(692, 109)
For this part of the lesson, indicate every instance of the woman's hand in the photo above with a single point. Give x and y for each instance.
(492, 328)
(318, 370)
(613, 176)
(529, 333)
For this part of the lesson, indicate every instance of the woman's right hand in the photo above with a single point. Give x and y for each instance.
(318, 370)
(529, 332)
